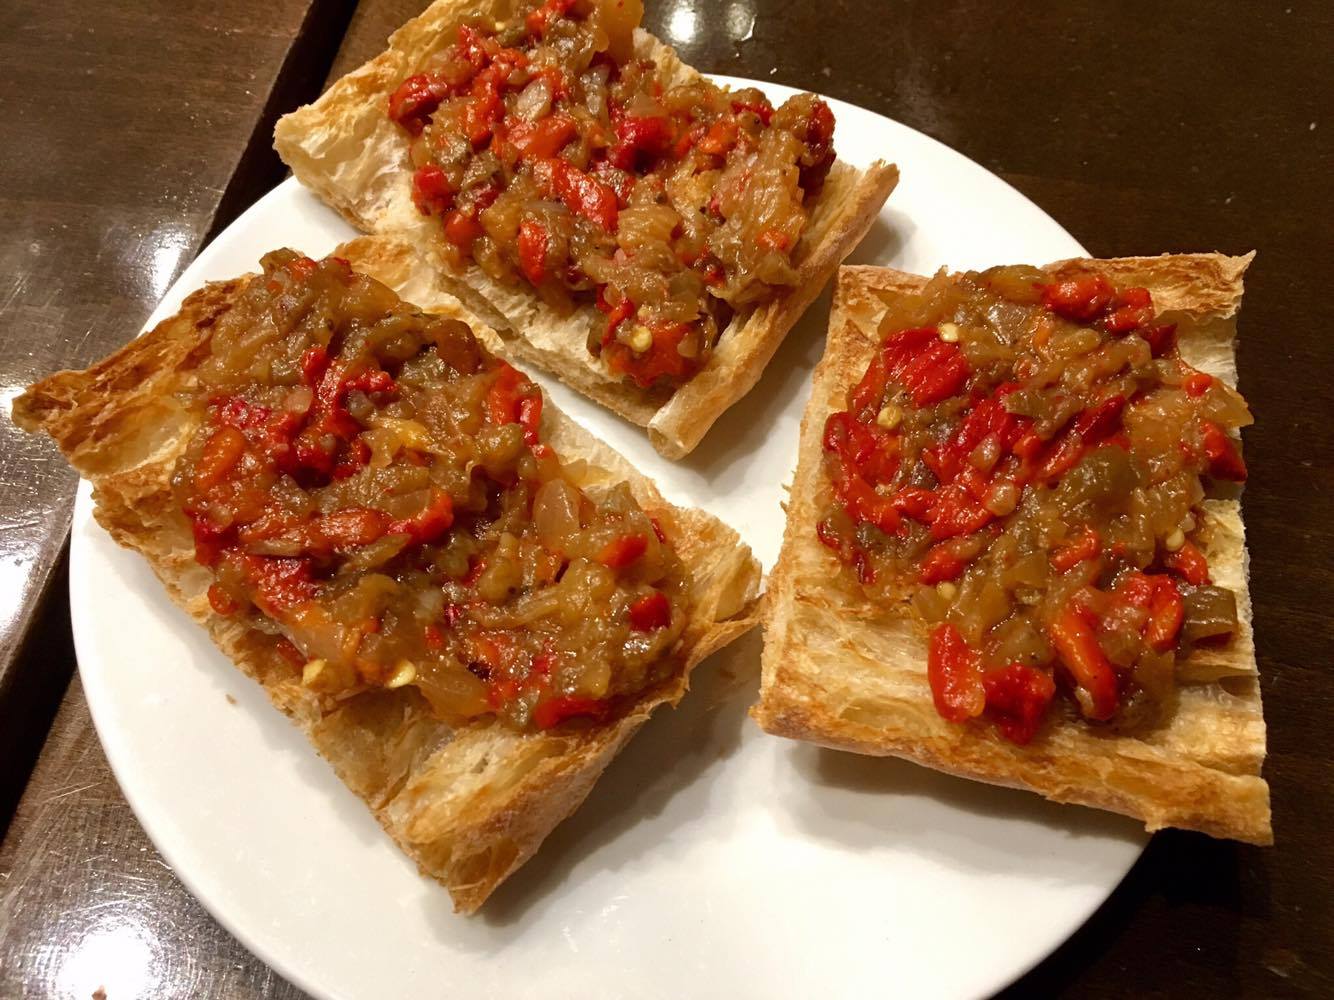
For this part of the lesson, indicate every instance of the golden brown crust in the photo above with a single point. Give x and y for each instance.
(842, 672)
(345, 148)
(469, 805)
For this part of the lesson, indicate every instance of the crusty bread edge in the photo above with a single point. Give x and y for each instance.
(344, 148)
(111, 410)
(1160, 785)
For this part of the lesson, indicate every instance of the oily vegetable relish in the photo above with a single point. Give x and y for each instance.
(373, 490)
(553, 156)
(1027, 458)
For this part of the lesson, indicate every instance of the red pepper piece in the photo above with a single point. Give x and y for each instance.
(868, 449)
(530, 418)
(1060, 457)
(533, 240)
(914, 502)
(1225, 461)
(544, 138)
(461, 229)
(540, 19)
(720, 137)
(415, 100)
(940, 563)
(663, 358)
(957, 513)
(1079, 299)
(639, 141)
(1160, 338)
(431, 190)
(428, 525)
(935, 373)
(1017, 700)
(1197, 384)
(651, 612)
(954, 673)
(1131, 309)
(583, 194)
(502, 399)
(819, 156)
(556, 710)
(929, 368)
(621, 552)
(1100, 420)
(1077, 645)
(1136, 589)
(280, 584)
(1189, 563)
(1086, 545)
(433, 638)
(1166, 613)
(828, 536)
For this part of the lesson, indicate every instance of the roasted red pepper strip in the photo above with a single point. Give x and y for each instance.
(1225, 461)
(1189, 563)
(1101, 420)
(955, 675)
(1017, 699)
(415, 100)
(431, 190)
(639, 141)
(1086, 545)
(582, 193)
(940, 564)
(544, 138)
(430, 524)
(1166, 613)
(533, 242)
(1076, 644)
(1079, 299)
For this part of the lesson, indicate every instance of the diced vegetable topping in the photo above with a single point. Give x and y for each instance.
(1027, 458)
(372, 494)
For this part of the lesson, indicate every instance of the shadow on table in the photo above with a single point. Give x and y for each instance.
(32, 688)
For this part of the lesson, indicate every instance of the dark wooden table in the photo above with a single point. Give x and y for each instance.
(132, 133)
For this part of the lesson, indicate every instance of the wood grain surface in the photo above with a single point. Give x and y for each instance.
(1141, 127)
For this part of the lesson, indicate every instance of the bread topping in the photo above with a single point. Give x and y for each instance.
(554, 157)
(1026, 460)
(374, 491)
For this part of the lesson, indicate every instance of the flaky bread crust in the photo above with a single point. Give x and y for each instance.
(345, 148)
(840, 671)
(468, 805)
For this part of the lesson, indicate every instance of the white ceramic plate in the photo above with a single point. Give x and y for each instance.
(711, 860)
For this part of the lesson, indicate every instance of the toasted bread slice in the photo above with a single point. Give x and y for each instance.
(843, 672)
(469, 805)
(345, 148)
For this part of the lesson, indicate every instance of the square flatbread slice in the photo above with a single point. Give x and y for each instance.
(469, 805)
(841, 671)
(345, 148)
